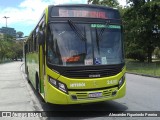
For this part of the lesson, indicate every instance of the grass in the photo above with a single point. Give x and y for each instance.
(152, 69)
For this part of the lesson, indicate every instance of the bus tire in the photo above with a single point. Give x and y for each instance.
(37, 83)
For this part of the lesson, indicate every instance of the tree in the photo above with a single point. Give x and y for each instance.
(10, 49)
(20, 34)
(157, 52)
(111, 3)
(142, 23)
(19, 49)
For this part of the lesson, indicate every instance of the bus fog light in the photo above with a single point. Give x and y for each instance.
(114, 93)
(74, 97)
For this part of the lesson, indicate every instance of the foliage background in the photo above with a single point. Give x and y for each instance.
(10, 48)
(141, 20)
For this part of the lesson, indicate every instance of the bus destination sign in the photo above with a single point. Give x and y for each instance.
(82, 13)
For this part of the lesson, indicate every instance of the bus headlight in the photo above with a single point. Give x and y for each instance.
(121, 81)
(59, 85)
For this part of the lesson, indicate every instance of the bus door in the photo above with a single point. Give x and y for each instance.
(41, 68)
(42, 59)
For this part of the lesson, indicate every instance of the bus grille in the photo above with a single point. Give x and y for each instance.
(84, 95)
(92, 73)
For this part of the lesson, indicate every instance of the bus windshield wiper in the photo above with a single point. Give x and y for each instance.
(97, 39)
(98, 36)
(79, 33)
(102, 31)
(76, 30)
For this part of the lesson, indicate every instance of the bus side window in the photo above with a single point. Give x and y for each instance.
(29, 49)
(31, 44)
(26, 48)
(35, 43)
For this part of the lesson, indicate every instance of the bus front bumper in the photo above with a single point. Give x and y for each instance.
(56, 96)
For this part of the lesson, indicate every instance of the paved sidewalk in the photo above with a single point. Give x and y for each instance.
(14, 93)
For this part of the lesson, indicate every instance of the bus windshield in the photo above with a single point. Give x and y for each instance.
(84, 44)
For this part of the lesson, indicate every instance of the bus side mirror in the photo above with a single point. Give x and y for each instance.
(41, 37)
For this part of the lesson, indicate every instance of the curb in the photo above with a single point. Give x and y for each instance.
(21, 67)
(143, 75)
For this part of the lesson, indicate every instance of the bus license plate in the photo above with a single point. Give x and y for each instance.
(95, 95)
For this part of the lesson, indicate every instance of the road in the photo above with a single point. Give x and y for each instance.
(17, 95)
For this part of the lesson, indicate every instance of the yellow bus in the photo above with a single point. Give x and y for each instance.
(75, 54)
